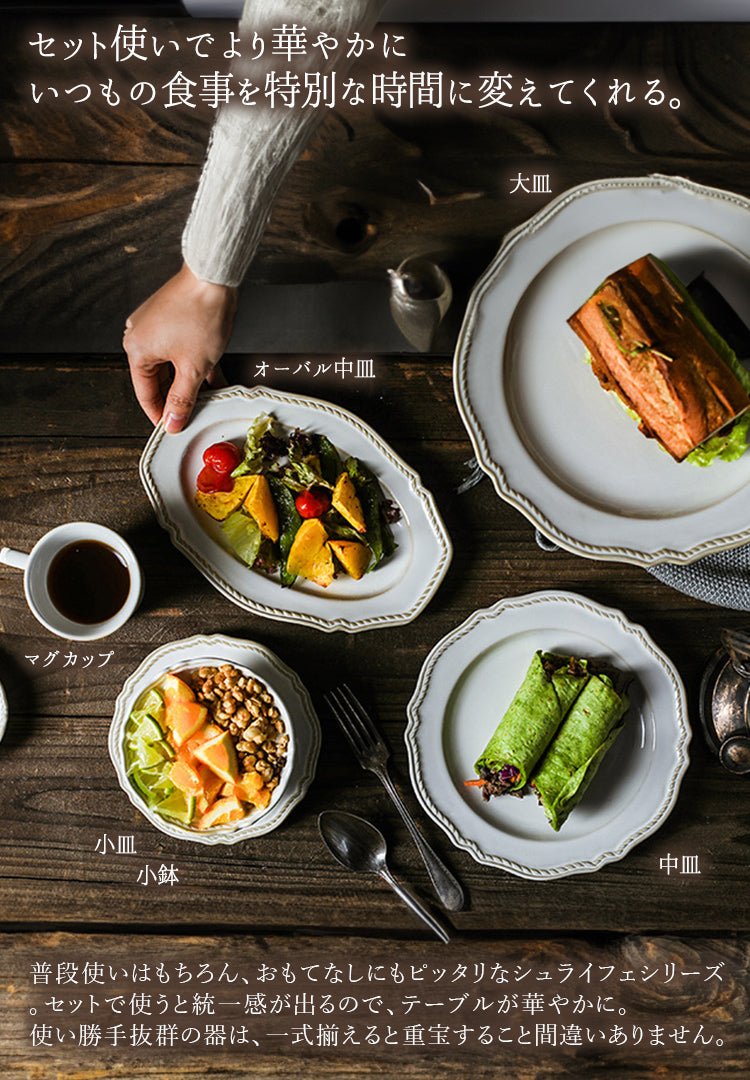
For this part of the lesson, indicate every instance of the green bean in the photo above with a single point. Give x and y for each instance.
(289, 523)
(330, 462)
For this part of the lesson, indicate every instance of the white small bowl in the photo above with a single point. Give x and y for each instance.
(290, 697)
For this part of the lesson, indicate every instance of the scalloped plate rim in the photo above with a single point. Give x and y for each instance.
(524, 501)
(158, 661)
(423, 499)
(599, 858)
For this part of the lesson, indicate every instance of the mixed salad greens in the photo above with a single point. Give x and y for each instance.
(288, 503)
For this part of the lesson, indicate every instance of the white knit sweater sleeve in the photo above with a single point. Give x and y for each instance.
(252, 147)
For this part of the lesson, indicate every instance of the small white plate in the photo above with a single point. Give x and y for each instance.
(554, 443)
(393, 593)
(294, 705)
(465, 686)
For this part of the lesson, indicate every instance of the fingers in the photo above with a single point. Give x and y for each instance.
(172, 405)
(215, 378)
(147, 380)
(148, 392)
(184, 326)
(181, 399)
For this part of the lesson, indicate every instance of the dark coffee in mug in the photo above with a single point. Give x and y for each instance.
(88, 582)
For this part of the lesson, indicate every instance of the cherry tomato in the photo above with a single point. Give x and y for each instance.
(210, 481)
(313, 503)
(222, 457)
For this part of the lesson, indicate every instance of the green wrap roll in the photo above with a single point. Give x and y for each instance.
(550, 686)
(575, 753)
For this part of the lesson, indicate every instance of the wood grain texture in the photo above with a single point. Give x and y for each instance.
(92, 208)
(659, 997)
(38, 126)
(81, 462)
(94, 202)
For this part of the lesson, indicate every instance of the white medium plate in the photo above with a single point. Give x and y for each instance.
(467, 683)
(292, 700)
(394, 593)
(556, 445)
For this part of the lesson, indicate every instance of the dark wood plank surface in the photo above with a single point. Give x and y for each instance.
(55, 757)
(93, 205)
(98, 195)
(714, 1009)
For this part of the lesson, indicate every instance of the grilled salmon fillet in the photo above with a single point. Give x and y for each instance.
(647, 347)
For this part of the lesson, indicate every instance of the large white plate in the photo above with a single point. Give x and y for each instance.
(394, 593)
(554, 443)
(468, 681)
(291, 698)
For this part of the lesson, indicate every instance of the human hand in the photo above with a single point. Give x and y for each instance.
(186, 324)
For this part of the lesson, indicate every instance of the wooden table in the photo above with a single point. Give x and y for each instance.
(74, 200)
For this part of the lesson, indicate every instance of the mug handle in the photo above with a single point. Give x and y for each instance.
(17, 559)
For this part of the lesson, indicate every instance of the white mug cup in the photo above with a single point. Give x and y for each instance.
(36, 566)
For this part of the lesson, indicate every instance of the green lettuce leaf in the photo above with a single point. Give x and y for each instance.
(254, 456)
(243, 534)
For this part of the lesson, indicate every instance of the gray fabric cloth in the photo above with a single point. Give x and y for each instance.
(722, 579)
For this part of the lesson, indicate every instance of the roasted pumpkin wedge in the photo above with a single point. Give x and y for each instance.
(309, 556)
(353, 556)
(261, 507)
(346, 501)
(222, 503)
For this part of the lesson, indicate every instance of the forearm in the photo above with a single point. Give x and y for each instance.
(253, 147)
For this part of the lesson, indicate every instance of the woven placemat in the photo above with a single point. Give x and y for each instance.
(722, 578)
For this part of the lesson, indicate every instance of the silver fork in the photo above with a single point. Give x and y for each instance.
(372, 753)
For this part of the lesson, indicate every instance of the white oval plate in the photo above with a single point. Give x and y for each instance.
(554, 443)
(394, 593)
(294, 704)
(465, 686)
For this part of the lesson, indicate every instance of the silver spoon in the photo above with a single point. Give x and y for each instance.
(359, 846)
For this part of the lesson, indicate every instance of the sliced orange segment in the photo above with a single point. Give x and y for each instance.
(221, 813)
(186, 778)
